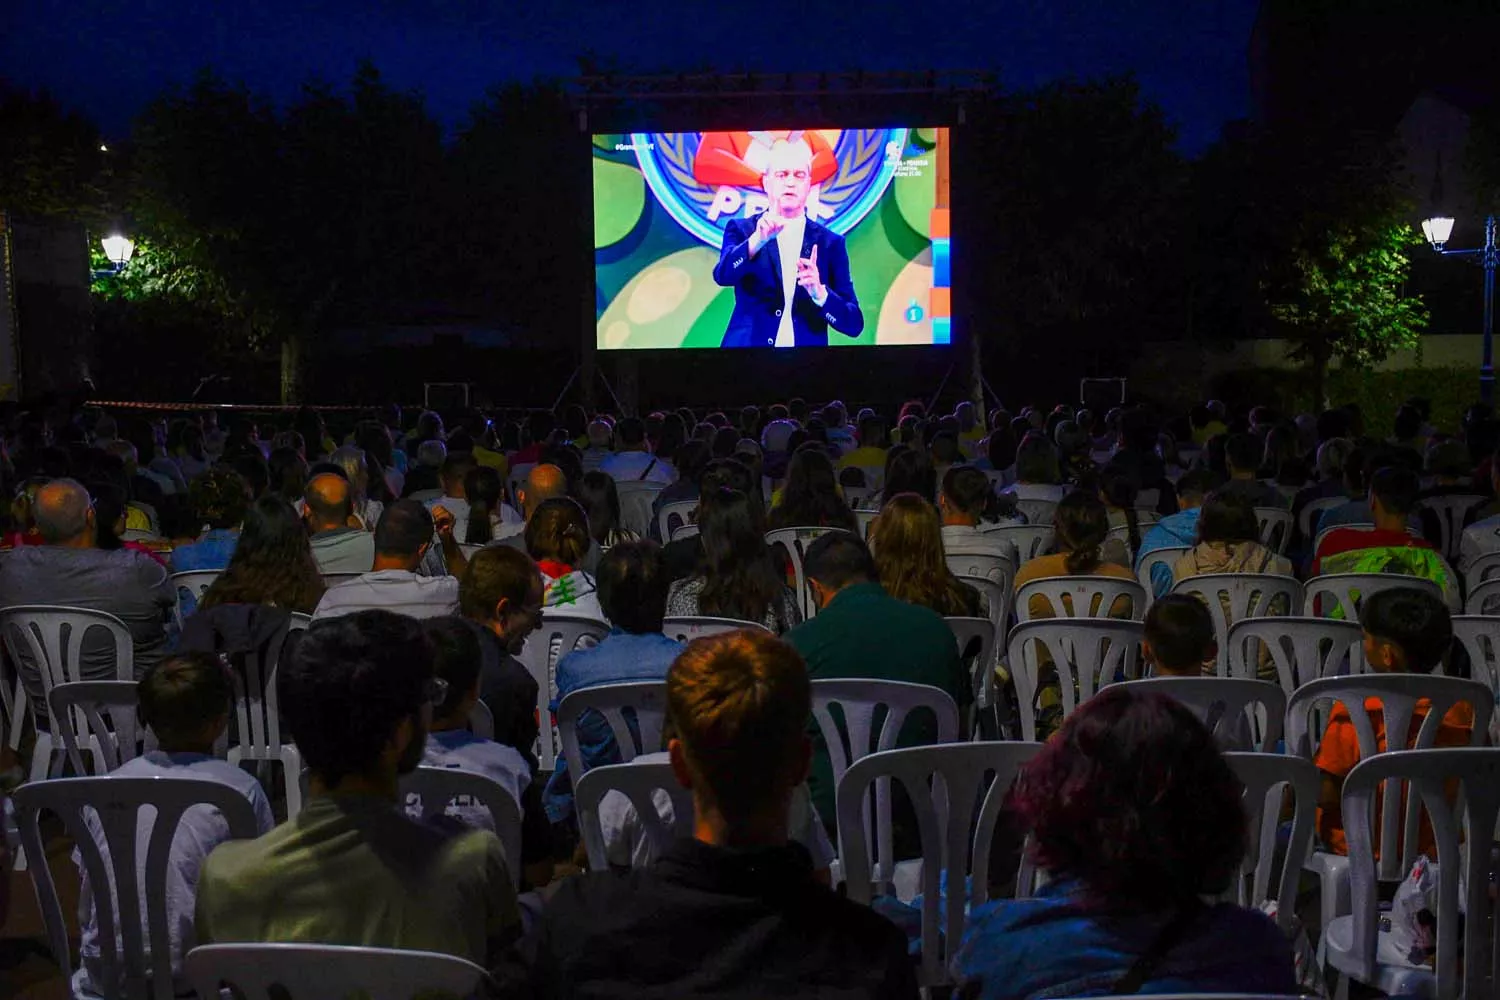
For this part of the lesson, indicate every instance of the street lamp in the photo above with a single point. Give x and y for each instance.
(118, 249)
(1437, 230)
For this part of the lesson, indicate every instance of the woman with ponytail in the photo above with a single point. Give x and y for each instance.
(968, 503)
(557, 537)
(1118, 489)
(482, 487)
(1082, 526)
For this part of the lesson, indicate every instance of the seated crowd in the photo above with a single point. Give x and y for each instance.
(427, 555)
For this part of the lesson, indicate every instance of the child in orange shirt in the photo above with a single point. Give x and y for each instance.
(1406, 631)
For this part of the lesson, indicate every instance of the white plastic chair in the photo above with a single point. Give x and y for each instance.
(1264, 776)
(858, 497)
(639, 783)
(1087, 653)
(1481, 570)
(1449, 512)
(1231, 707)
(192, 584)
(996, 597)
(558, 636)
(1462, 833)
(681, 510)
(1028, 540)
(637, 497)
(1486, 593)
(1249, 595)
(953, 789)
(1358, 526)
(686, 628)
(1167, 557)
(257, 714)
(794, 542)
(322, 971)
(1275, 527)
(644, 702)
(991, 560)
(1307, 520)
(1037, 511)
(1340, 593)
(51, 640)
(436, 788)
(977, 642)
(1080, 597)
(78, 710)
(865, 519)
(1480, 637)
(684, 531)
(1302, 649)
(482, 721)
(130, 950)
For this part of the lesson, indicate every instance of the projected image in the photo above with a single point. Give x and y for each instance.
(772, 239)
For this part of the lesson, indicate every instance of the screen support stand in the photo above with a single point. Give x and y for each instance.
(941, 386)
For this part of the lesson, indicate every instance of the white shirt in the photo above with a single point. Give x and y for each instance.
(395, 590)
(201, 829)
(638, 466)
(1479, 539)
(789, 243)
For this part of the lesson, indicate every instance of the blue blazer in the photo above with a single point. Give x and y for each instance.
(758, 297)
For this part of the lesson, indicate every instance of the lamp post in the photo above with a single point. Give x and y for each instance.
(118, 249)
(1437, 230)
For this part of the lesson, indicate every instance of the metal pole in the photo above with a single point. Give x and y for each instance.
(1486, 367)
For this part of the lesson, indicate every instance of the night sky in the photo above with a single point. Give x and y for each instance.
(109, 58)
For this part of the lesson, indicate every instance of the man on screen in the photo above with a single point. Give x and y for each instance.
(790, 274)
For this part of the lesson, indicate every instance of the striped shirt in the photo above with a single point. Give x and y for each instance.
(395, 590)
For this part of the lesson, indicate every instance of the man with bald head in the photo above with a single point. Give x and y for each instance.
(69, 569)
(338, 544)
(543, 483)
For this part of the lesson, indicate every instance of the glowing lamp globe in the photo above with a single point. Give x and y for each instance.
(1437, 230)
(118, 249)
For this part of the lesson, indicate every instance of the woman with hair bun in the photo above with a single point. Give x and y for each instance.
(1082, 525)
(557, 537)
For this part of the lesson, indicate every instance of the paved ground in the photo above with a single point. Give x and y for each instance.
(27, 971)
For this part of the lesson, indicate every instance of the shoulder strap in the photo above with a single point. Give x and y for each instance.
(647, 470)
(1145, 966)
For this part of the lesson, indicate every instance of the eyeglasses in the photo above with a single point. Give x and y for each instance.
(435, 691)
(782, 175)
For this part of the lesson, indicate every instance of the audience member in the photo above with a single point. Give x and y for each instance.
(339, 543)
(454, 499)
(424, 480)
(691, 460)
(736, 911)
(632, 462)
(1118, 488)
(601, 503)
(1229, 541)
(218, 497)
(272, 565)
(1038, 477)
(599, 434)
(557, 537)
(1243, 453)
(483, 488)
(908, 470)
(288, 475)
(1177, 530)
(1179, 639)
(870, 456)
(352, 868)
(501, 592)
(907, 542)
(811, 496)
(1483, 536)
(1389, 548)
(966, 501)
(1131, 808)
(1082, 526)
(738, 576)
(402, 538)
(356, 465)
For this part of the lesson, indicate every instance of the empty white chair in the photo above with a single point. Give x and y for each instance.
(1275, 527)
(482, 721)
(1167, 557)
(1087, 654)
(190, 587)
(639, 783)
(953, 790)
(643, 703)
(324, 971)
(1449, 513)
(674, 515)
(1337, 595)
(1029, 540)
(794, 542)
(131, 953)
(1231, 707)
(1233, 597)
(977, 643)
(436, 788)
(1307, 520)
(1481, 570)
(558, 636)
(686, 628)
(78, 712)
(1462, 833)
(637, 497)
(1082, 596)
(1486, 593)
(257, 715)
(1302, 649)
(51, 640)
(1264, 776)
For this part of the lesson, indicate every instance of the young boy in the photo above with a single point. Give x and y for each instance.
(1179, 638)
(456, 662)
(184, 700)
(1406, 632)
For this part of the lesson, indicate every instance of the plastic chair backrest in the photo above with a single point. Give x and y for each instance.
(482, 721)
(1087, 596)
(1463, 834)
(1121, 534)
(992, 561)
(1275, 527)
(78, 710)
(192, 584)
(953, 790)
(794, 542)
(858, 497)
(1345, 591)
(1222, 703)
(1449, 513)
(874, 476)
(639, 783)
(51, 638)
(995, 596)
(1486, 593)
(558, 636)
(319, 971)
(516, 480)
(1247, 595)
(865, 519)
(1481, 570)
(1166, 556)
(674, 515)
(1087, 653)
(637, 496)
(976, 638)
(124, 939)
(686, 628)
(1398, 695)
(1038, 511)
(1029, 540)
(1357, 526)
(1264, 776)
(684, 531)
(437, 787)
(1307, 520)
(1302, 649)
(641, 702)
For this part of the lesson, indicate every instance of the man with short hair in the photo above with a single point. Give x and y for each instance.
(1389, 547)
(632, 461)
(871, 453)
(862, 632)
(1242, 453)
(328, 508)
(69, 570)
(1179, 529)
(352, 868)
(425, 479)
(454, 499)
(599, 433)
(402, 539)
(736, 910)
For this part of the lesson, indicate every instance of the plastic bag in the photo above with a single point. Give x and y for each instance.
(1309, 973)
(1413, 913)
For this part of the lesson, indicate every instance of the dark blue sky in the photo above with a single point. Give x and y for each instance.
(109, 58)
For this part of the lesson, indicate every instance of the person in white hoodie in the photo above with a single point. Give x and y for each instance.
(557, 537)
